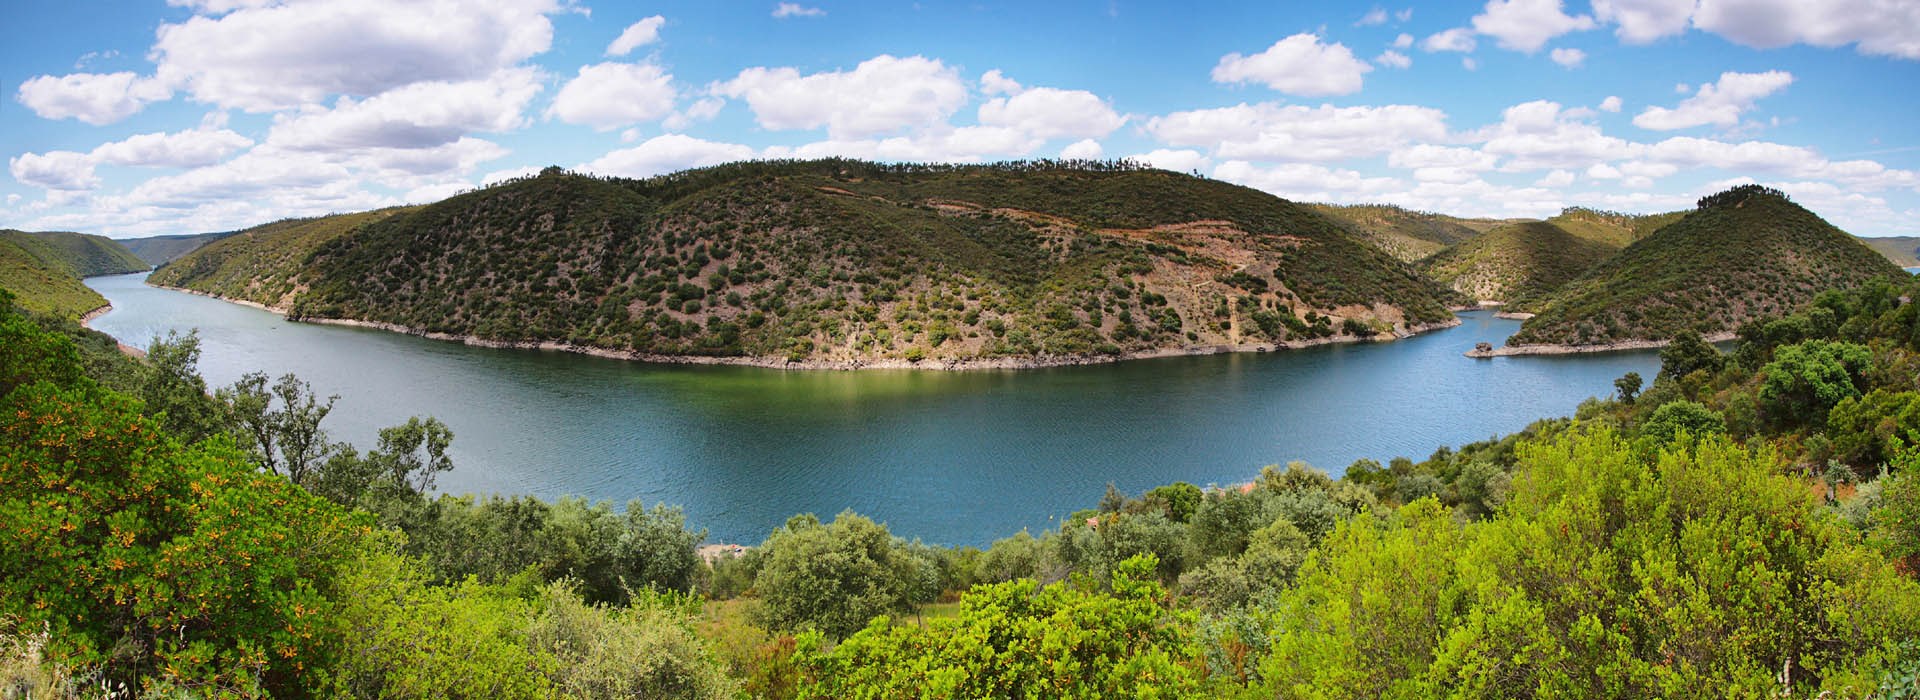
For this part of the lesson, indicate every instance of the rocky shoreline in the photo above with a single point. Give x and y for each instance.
(1515, 350)
(943, 364)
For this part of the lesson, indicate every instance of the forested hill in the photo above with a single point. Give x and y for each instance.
(1407, 235)
(160, 250)
(1743, 254)
(1902, 250)
(1516, 261)
(840, 261)
(44, 269)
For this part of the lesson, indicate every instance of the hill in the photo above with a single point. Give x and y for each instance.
(1612, 228)
(841, 263)
(1517, 261)
(1743, 254)
(44, 269)
(1902, 250)
(160, 250)
(1407, 235)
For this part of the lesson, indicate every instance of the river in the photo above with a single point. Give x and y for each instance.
(957, 458)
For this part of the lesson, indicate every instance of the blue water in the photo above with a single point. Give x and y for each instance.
(949, 457)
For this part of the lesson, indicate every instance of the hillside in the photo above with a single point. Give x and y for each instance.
(1743, 254)
(160, 250)
(842, 263)
(1407, 235)
(44, 269)
(258, 264)
(1612, 228)
(1516, 261)
(1902, 250)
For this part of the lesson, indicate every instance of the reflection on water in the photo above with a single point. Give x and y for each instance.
(950, 457)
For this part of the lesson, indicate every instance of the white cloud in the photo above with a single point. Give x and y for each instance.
(94, 98)
(880, 95)
(1269, 131)
(1404, 41)
(608, 96)
(1179, 161)
(499, 176)
(1643, 21)
(1297, 65)
(701, 110)
(421, 115)
(1719, 103)
(1372, 17)
(1426, 155)
(1394, 59)
(638, 34)
(1084, 149)
(1527, 25)
(1469, 63)
(1306, 182)
(994, 82)
(300, 52)
(664, 154)
(1540, 135)
(1611, 104)
(794, 9)
(1875, 27)
(1459, 39)
(183, 149)
(1568, 58)
(1047, 113)
(1404, 15)
(1557, 178)
(56, 170)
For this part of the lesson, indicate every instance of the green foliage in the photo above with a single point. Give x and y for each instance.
(44, 269)
(608, 554)
(1751, 256)
(1806, 380)
(1021, 640)
(1868, 430)
(1628, 386)
(836, 577)
(1688, 353)
(1674, 419)
(173, 391)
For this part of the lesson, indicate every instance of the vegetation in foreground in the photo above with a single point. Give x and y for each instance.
(836, 261)
(1744, 525)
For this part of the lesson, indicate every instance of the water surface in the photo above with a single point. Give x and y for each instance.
(949, 457)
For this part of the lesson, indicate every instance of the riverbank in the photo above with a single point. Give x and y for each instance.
(939, 364)
(1515, 350)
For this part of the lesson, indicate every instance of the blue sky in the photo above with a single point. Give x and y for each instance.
(146, 118)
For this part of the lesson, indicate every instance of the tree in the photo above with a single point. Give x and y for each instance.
(174, 393)
(280, 426)
(836, 577)
(1806, 380)
(1686, 354)
(1675, 418)
(1628, 385)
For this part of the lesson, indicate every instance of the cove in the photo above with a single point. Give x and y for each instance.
(957, 458)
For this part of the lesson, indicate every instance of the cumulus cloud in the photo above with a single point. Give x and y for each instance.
(1084, 149)
(794, 9)
(1720, 103)
(638, 34)
(1611, 104)
(1307, 181)
(1527, 25)
(182, 149)
(421, 115)
(287, 55)
(1048, 113)
(1297, 65)
(1394, 59)
(1403, 41)
(994, 82)
(1177, 160)
(1270, 131)
(56, 170)
(1458, 39)
(1568, 58)
(880, 95)
(1557, 178)
(701, 110)
(608, 96)
(1373, 17)
(95, 98)
(1643, 21)
(1874, 27)
(1541, 135)
(664, 154)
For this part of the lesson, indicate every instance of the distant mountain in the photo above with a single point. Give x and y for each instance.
(1902, 250)
(1517, 261)
(44, 269)
(160, 250)
(1407, 235)
(1743, 254)
(840, 262)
